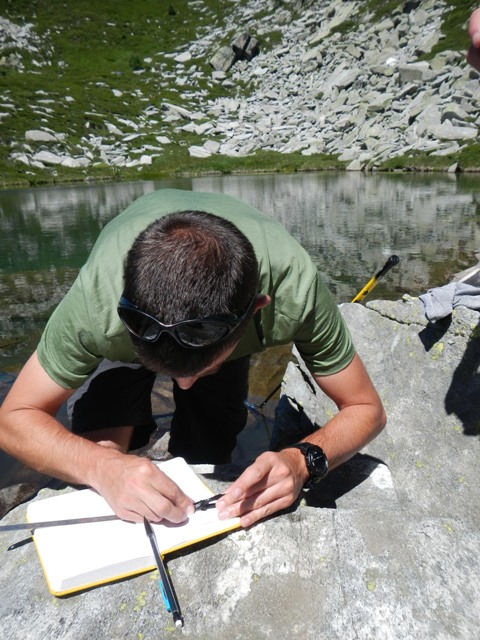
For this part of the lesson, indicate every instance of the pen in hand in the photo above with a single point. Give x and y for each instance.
(165, 583)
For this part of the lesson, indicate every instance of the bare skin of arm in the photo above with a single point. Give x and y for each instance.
(275, 479)
(134, 487)
(473, 55)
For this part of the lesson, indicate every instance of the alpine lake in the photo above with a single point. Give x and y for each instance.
(349, 222)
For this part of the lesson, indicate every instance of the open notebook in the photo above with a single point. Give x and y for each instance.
(79, 556)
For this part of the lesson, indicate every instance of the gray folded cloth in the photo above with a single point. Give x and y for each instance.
(439, 302)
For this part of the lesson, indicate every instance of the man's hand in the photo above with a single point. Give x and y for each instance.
(270, 484)
(473, 55)
(136, 488)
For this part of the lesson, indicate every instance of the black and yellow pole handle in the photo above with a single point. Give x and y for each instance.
(372, 283)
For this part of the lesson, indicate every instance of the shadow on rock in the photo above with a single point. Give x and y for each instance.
(342, 480)
(464, 391)
(434, 331)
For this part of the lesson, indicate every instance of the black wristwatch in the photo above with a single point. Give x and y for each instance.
(316, 461)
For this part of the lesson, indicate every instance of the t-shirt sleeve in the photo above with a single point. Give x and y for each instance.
(67, 350)
(323, 339)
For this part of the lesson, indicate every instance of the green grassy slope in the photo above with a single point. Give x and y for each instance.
(107, 61)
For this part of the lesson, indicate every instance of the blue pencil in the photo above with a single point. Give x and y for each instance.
(165, 583)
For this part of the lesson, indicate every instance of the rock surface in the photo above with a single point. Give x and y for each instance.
(385, 548)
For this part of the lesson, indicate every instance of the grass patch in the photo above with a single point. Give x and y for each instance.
(261, 161)
(468, 159)
(382, 10)
(454, 28)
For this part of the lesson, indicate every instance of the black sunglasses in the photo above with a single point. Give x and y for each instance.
(192, 334)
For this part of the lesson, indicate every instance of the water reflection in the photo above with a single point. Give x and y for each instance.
(349, 222)
(57, 226)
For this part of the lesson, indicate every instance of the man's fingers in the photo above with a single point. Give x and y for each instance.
(258, 507)
(263, 512)
(139, 489)
(473, 54)
(474, 27)
(161, 498)
(264, 472)
(265, 487)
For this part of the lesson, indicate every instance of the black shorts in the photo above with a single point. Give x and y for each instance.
(207, 417)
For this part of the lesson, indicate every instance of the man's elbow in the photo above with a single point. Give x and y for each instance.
(380, 419)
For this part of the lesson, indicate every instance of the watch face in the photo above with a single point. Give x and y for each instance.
(317, 463)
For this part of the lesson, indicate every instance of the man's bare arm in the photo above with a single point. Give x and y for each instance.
(134, 487)
(275, 479)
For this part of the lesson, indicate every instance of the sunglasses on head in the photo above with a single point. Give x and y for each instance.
(192, 334)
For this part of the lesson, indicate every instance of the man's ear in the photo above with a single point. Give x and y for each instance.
(261, 301)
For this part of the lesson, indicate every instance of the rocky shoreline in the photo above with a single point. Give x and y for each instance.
(337, 83)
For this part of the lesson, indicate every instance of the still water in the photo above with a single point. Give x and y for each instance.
(350, 223)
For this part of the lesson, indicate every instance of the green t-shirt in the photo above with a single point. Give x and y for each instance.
(85, 327)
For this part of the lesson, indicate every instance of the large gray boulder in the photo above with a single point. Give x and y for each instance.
(385, 548)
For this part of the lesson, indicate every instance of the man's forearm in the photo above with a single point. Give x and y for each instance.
(275, 479)
(133, 486)
(343, 436)
(360, 419)
(42, 443)
(30, 432)
(348, 432)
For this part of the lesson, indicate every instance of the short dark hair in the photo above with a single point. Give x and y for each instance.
(186, 265)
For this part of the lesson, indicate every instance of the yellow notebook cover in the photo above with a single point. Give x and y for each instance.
(80, 556)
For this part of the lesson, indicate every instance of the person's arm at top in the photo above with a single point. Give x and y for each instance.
(134, 487)
(473, 55)
(275, 479)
